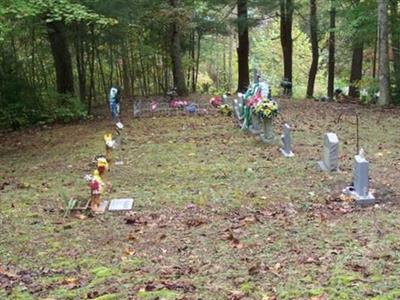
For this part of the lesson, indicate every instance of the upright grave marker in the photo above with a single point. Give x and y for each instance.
(360, 188)
(330, 161)
(287, 141)
(255, 126)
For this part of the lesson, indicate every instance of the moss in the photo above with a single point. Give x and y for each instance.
(247, 288)
(132, 264)
(102, 272)
(161, 294)
(109, 297)
(18, 294)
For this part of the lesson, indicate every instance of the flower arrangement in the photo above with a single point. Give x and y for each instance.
(266, 109)
(253, 101)
(216, 101)
(225, 110)
(178, 103)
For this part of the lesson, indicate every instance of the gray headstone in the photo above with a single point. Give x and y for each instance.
(236, 109)
(268, 136)
(136, 110)
(361, 169)
(287, 141)
(121, 204)
(255, 126)
(330, 160)
(360, 189)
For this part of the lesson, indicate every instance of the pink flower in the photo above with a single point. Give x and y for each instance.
(216, 101)
(154, 105)
(253, 101)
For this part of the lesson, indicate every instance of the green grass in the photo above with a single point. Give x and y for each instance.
(195, 181)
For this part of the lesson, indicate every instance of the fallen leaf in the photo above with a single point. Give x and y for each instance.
(129, 251)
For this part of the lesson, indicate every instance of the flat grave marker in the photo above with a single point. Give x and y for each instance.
(121, 204)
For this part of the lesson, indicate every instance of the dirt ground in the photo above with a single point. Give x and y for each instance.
(217, 214)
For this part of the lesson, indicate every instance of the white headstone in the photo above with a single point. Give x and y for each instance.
(330, 161)
(360, 189)
(121, 204)
(287, 141)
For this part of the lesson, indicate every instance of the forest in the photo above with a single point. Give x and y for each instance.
(59, 58)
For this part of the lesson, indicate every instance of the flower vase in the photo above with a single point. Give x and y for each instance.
(255, 127)
(267, 135)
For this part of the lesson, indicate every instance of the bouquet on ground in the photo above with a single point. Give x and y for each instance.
(178, 104)
(225, 110)
(266, 109)
(216, 101)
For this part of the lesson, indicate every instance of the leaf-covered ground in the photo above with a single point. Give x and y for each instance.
(217, 215)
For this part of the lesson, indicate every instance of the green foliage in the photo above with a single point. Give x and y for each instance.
(369, 87)
(51, 11)
(48, 108)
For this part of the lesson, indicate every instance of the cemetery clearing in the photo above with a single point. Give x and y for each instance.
(217, 214)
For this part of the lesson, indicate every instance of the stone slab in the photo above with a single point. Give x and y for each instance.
(287, 141)
(330, 161)
(103, 206)
(121, 204)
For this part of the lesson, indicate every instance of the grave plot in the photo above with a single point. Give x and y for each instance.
(214, 212)
(145, 109)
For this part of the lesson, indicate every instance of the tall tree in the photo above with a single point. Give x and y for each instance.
(176, 54)
(357, 60)
(356, 68)
(62, 57)
(286, 22)
(243, 49)
(395, 43)
(331, 58)
(384, 82)
(314, 47)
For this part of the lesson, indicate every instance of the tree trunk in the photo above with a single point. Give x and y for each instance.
(384, 83)
(356, 69)
(101, 69)
(315, 49)
(92, 57)
(243, 48)
(331, 59)
(395, 44)
(230, 73)
(125, 69)
(80, 62)
(62, 58)
(193, 62)
(176, 56)
(375, 55)
(197, 58)
(286, 20)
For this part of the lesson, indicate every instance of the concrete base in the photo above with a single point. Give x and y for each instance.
(360, 200)
(286, 154)
(322, 166)
(270, 140)
(254, 131)
(102, 207)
